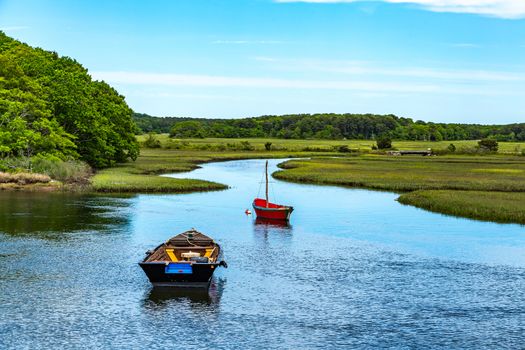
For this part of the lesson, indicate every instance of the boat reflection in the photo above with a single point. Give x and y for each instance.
(273, 223)
(163, 296)
(263, 228)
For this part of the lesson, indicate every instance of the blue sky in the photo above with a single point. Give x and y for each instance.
(437, 60)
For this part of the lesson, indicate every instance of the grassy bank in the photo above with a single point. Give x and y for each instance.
(410, 173)
(503, 207)
(41, 173)
(487, 188)
(27, 182)
(123, 179)
(142, 175)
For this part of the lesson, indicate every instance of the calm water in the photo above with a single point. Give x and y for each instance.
(354, 269)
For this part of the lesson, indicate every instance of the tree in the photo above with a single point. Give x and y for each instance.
(488, 145)
(188, 129)
(50, 105)
(384, 142)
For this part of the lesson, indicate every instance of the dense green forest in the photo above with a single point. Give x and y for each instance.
(50, 107)
(327, 126)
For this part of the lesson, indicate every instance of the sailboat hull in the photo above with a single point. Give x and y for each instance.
(267, 210)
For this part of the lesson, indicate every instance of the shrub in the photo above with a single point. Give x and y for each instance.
(343, 149)
(268, 146)
(384, 142)
(151, 141)
(246, 146)
(441, 152)
(489, 145)
(451, 148)
(65, 171)
(374, 148)
(314, 149)
(468, 150)
(176, 144)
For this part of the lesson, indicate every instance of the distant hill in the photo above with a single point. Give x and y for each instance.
(50, 106)
(327, 126)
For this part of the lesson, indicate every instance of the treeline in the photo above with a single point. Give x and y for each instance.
(51, 108)
(327, 126)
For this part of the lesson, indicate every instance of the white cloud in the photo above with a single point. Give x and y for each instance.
(177, 95)
(466, 45)
(189, 80)
(497, 8)
(360, 86)
(372, 69)
(267, 59)
(247, 42)
(13, 28)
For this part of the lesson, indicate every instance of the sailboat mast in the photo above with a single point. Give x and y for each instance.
(266, 172)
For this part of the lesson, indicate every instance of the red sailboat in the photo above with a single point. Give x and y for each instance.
(266, 210)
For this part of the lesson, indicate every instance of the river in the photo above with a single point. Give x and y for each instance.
(354, 269)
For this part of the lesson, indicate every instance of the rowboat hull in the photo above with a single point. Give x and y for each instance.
(162, 274)
(272, 211)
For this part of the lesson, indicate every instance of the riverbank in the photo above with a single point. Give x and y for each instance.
(474, 187)
(141, 176)
(353, 166)
(503, 207)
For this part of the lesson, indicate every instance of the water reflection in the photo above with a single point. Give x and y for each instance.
(27, 212)
(265, 228)
(273, 223)
(165, 296)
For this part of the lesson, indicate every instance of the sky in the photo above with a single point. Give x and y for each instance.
(433, 60)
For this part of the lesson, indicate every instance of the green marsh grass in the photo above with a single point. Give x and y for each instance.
(488, 188)
(506, 207)
(141, 176)
(122, 179)
(410, 173)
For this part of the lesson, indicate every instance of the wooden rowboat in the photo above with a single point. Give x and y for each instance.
(188, 259)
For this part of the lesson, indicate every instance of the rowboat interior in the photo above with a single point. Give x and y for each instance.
(198, 254)
(191, 246)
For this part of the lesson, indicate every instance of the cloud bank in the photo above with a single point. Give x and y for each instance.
(511, 9)
(360, 86)
(191, 80)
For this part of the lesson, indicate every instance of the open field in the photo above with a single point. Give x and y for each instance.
(323, 145)
(489, 206)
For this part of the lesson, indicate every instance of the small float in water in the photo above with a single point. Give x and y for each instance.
(187, 260)
(264, 209)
